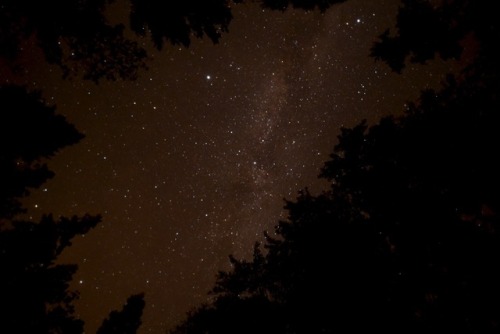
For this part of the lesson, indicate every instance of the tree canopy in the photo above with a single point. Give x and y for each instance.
(30, 133)
(127, 320)
(34, 287)
(78, 36)
(426, 29)
(406, 240)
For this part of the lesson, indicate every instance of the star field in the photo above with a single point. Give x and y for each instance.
(192, 161)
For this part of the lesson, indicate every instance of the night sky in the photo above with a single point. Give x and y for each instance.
(192, 161)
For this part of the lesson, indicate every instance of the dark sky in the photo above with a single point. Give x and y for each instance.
(191, 162)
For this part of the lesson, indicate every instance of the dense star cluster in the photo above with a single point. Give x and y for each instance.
(191, 162)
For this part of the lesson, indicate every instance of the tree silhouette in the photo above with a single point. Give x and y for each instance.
(425, 29)
(233, 315)
(78, 36)
(178, 21)
(72, 34)
(34, 288)
(126, 321)
(436, 206)
(30, 132)
(406, 240)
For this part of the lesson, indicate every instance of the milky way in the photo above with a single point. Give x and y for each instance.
(191, 162)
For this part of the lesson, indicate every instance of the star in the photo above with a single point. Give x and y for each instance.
(267, 104)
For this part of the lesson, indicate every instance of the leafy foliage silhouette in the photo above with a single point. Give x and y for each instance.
(126, 321)
(425, 29)
(406, 240)
(77, 35)
(178, 21)
(72, 34)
